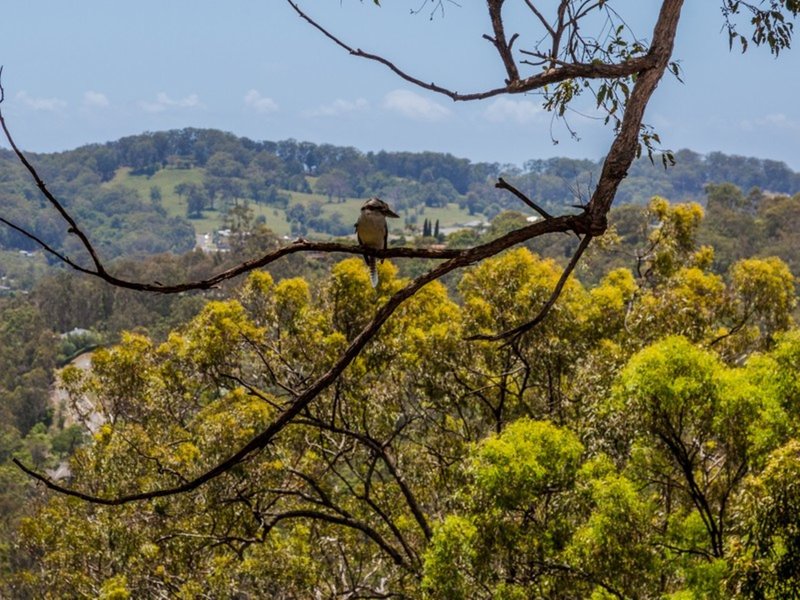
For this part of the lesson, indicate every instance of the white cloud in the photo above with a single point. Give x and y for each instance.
(164, 102)
(772, 121)
(260, 103)
(338, 107)
(45, 104)
(95, 99)
(504, 110)
(414, 106)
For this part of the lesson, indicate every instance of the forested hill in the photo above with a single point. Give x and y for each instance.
(151, 193)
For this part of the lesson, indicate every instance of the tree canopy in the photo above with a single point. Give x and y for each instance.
(534, 438)
(614, 451)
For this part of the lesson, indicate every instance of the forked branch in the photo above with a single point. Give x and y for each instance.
(514, 333)
(514, 83)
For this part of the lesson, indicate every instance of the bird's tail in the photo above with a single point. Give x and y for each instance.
(372, 264)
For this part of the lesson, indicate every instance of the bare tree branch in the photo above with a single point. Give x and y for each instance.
(545, 23)
(299, 245)
(100, 271)
(73, 226)
(592, 70)
(499, 40)
(45, 246)
(502, 184)
(396, 70)
(556, 293)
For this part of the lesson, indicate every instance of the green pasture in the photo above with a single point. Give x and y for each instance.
(166, 180)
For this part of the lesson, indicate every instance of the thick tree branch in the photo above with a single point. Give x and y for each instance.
(499, 39)
(625, 146)
(299, 245)
(99, 270)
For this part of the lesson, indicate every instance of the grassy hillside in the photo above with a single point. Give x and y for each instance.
(166, 180)
(448, 216)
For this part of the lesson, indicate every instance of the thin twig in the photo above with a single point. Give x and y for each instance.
(394, 68)
(525, 327)
(73, 226)
(47, 248)
(504, 185)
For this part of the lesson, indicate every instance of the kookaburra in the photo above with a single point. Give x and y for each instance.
(372, 231)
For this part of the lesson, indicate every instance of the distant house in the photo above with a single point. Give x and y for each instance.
(476, 224)
(222, 240)
(75, 332)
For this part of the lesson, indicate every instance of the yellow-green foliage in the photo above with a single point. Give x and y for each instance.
(449, 560)
(528, 459)
(640, 443)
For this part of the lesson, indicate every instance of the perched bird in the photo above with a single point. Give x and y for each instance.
(372, 231)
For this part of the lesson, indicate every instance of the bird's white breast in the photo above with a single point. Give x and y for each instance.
(371, 229)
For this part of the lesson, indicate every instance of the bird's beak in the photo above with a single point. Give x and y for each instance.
(390, 213)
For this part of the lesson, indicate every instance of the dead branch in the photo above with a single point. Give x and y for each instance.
(502, 184)
(513, 84)
(499, 40)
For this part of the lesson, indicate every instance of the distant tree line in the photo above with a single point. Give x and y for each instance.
(236, 170)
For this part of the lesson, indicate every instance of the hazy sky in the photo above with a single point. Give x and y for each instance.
(95, 70)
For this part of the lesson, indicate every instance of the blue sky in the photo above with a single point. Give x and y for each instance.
(95, 70)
